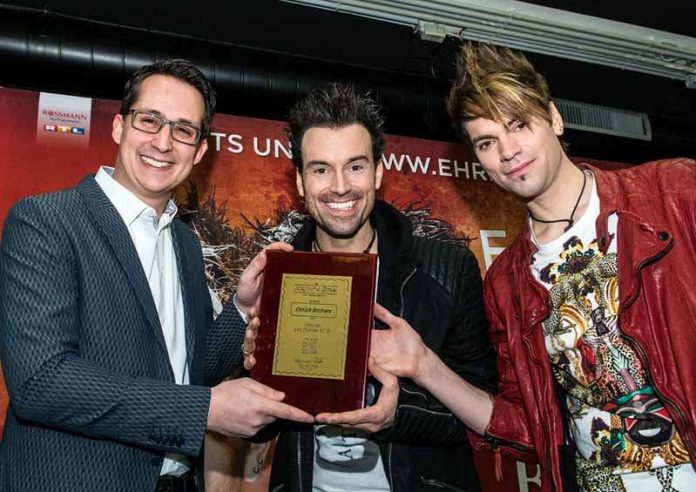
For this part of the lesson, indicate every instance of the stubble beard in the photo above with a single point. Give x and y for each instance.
(336, 234)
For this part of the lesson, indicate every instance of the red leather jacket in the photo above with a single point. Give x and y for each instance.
(656, 206)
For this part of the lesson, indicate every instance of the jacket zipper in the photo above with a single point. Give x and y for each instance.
(299, 460)
(401, 315)
(401, 292)
(674, 410)
(528, 345)
(439, 484)
(389, 466)
(643, 356)
(639, 267)
(496, 442)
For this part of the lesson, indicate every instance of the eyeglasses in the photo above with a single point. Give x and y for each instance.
(152, 123)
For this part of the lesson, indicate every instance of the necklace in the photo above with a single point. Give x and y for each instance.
(570, 219)
(315, 244)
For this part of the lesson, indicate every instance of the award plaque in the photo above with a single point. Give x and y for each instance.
(316, 319)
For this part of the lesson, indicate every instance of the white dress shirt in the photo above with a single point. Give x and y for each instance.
(152, 238)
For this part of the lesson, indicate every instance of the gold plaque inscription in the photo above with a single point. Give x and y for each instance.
(312, 332)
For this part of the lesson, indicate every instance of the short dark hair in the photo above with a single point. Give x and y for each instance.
(336, 105)
(180, 69)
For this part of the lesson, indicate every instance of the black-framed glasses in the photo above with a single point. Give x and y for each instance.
(152, 123)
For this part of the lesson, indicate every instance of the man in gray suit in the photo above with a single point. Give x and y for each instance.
(106, 333)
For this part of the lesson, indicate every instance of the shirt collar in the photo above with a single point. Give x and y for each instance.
(129, 206)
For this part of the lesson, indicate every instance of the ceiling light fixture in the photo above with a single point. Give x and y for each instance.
(537, 29)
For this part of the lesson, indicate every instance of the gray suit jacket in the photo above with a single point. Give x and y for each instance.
(93, 403)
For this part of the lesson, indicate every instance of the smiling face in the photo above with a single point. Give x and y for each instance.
(338, 181)
(522, 158)
(151, 166)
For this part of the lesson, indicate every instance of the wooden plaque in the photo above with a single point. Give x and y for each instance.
(316, 320)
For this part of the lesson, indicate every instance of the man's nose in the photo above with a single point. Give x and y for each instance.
(508, 147)
(340, 185)
(162, 140)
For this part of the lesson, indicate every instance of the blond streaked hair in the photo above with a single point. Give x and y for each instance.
(497, 84)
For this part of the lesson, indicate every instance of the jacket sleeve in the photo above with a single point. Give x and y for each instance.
(466, 349)
(508, 430)
(48, 381)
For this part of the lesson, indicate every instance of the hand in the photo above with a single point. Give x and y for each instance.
(249, 345)
(371, 419)
(251, 281)
(398, 350)
(242, 407)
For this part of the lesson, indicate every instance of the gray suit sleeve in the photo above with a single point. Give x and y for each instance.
(48, 380)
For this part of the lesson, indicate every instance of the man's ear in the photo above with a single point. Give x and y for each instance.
(117, 128)
(299, 183)
(556, 120)
(200, 152)
(379, 173)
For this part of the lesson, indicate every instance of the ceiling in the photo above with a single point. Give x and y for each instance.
(365, 50)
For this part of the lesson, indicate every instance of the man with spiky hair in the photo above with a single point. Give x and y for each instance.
(107, 341)
(407, 440)
(591, 312)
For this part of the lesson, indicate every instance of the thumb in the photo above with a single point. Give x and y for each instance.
(279, 246)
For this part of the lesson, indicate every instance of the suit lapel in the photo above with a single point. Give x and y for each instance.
(185, 275)
(107, 219)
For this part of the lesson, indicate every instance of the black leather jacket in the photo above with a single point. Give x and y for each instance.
(436, 287)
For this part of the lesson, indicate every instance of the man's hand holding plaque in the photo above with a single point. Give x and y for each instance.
(375, 417)
(248, 296)
(370, 419)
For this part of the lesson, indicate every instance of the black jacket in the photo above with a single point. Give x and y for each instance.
(436, 287)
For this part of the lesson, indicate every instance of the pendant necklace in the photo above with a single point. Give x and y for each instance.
(569, 220)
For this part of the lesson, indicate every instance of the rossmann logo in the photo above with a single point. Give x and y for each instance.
(64, 115)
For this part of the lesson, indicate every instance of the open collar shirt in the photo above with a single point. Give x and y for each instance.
(152, 238)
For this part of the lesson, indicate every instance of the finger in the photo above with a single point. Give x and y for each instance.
(263, 390)
(250, 335)
(253, 313)
(258, 263)
(384, 315)
(279, 246)
(351, 418)
(288, 412)
(249, 343)
(249, 362)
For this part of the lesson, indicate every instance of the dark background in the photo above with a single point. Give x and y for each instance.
(263, 54)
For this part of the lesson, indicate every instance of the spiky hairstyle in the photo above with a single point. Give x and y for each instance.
(335, 106)
(497, 84)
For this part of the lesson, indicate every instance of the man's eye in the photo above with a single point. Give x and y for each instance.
(519, 125)
(357, 167)
(483, 145)
(184, 131)
(319, 170)
(149, 121)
